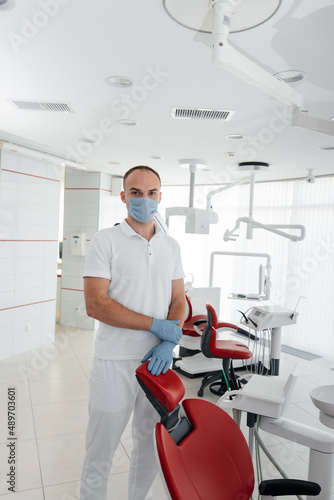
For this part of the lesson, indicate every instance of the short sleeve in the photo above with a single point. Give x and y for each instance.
(98, 258)
(178, 269)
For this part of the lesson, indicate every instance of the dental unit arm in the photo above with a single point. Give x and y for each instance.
(251, 223)
(273, 228)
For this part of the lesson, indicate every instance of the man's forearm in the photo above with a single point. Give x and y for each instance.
(177, 310)
(112, 313)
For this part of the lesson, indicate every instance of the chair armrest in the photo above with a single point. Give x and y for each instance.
(282, 487)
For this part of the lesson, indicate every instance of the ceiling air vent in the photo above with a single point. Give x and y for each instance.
(202, 114)
(62, 107)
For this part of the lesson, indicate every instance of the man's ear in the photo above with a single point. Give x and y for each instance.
(160, 196)
(122, 195)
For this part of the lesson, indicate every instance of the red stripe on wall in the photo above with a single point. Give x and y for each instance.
(24, 305)
(34, 241)
(82, 189)
(72, 289)
(88, 189)
(30, 175)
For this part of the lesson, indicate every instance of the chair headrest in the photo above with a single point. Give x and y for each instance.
(167, 388)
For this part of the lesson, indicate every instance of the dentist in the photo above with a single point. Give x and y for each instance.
(133, 283)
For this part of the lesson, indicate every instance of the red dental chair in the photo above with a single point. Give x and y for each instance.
(201, 451)
(193, 329)
(226, 350)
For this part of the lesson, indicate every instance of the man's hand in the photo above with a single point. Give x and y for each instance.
(161, 357)
(166, 329)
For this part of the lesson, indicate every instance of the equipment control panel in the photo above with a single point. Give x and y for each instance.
(261, 318)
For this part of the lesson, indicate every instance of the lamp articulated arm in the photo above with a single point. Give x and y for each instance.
(273, 228)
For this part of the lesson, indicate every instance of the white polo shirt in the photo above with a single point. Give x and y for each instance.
(141, 274)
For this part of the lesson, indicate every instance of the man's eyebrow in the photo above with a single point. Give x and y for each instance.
(137, 189)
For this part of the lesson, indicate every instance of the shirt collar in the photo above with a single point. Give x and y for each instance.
(128, 231)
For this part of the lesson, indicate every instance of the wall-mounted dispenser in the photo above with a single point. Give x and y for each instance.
(78, 244)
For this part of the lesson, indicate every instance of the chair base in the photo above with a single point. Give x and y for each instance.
(211, 378)
(217, 383)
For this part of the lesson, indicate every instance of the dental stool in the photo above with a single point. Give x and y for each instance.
(226, 350)
(201, 451)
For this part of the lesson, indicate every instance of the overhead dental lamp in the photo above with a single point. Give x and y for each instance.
(220, 18)
(279, 229)
(198, 220)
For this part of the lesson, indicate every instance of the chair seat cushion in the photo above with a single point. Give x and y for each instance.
(188, 326)
(206, 464)
(229, 349)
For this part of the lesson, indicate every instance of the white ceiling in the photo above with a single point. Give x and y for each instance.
(62, 51)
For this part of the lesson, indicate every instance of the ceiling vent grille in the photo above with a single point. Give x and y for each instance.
(202, 114)
(59, 107)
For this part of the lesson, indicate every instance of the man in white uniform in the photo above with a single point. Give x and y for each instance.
(134, 287)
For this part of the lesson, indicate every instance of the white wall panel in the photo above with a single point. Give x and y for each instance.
(29, 206)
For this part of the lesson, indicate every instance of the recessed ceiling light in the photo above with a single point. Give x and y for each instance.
(234, 136)
(291, 76)
(155, 157)
(119, 81)
(114, 162)
(326, 148)
(127, 123)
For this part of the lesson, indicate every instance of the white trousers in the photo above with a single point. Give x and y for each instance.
(114, 395)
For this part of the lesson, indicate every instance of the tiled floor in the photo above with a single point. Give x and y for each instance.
(51, 396)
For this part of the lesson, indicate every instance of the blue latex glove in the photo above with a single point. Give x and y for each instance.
(166, 329)
(161, 357)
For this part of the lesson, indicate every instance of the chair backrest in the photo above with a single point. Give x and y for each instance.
(189, 309)
(209, 331)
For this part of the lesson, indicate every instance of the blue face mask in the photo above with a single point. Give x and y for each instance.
(142, 209)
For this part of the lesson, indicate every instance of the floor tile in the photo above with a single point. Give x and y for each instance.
(60, 349)
(58, 390)
(58, 419)
(12, 373)
(35, 494)
(83, 350)
(46, 369)
(61, 458)
(86, 364)
(68, 491)
(17, 359)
